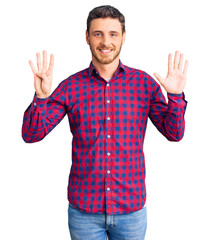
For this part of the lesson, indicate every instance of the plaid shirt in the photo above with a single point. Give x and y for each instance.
(108, 122)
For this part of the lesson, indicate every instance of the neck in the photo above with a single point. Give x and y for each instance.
(106, 70)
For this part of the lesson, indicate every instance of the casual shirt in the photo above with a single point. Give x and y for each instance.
(107, 79)
(108, 123)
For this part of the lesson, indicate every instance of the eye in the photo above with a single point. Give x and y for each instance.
(113, 34)
(97, 34)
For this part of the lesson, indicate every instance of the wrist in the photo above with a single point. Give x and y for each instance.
(175, 92)
(42, 96)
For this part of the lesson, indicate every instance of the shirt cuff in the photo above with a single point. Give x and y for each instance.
(178, 98)
(39, 103)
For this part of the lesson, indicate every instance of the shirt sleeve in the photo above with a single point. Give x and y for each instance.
(168, 117)
(42, 115)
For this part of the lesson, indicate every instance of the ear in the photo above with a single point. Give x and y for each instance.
(87, 38)
(124, 35)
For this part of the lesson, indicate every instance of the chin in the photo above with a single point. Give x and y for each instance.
(108, 61)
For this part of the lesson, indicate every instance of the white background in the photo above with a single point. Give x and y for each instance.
(34, 177)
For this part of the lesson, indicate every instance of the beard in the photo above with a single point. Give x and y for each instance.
(105, 59)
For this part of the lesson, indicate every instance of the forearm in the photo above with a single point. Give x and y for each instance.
(34, 121)
(171, 122)
(43, 115)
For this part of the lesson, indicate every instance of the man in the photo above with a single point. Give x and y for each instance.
(108, 105)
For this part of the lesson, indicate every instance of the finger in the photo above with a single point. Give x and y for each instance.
(186, 67)
(32, 67)
(181, 61)
(45, 61)
(159, 78)
(169, 62)
(42, 75)
(38, 57)
(51, 65)
(176, 60)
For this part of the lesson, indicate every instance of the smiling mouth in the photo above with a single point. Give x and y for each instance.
(105, 51)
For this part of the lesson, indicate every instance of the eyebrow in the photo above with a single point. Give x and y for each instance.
(98, 31)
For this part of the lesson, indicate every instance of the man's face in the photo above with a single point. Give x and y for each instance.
(105, 39)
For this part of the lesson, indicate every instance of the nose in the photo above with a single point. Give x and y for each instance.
(106, 40)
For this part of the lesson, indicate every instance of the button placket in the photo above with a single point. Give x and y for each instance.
(108, 147)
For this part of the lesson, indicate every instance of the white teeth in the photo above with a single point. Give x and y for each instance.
(105, 50)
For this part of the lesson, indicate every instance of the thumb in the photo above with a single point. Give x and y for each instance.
(159, 78)
(41, 75)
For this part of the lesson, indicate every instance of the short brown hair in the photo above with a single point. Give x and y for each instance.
(105, 12)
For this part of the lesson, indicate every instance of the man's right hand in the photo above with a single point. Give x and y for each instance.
(43, 77)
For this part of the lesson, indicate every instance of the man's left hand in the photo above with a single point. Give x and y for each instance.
(176, 78)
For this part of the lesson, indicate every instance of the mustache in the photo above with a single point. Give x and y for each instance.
(102, 47)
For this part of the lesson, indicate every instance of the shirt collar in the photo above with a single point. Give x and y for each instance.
(93, 69)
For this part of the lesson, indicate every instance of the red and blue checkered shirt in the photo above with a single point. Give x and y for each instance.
(108, 122)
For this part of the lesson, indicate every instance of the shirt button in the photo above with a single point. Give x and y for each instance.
(108, 118)
(34, 104)
(107, 85)
(108, 101)
(108, 189)
(108, 153)
(108, 171)
(108, 136)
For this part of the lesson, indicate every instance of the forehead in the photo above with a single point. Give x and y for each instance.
(105, 24)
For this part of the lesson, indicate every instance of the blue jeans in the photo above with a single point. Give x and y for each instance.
(94, 226)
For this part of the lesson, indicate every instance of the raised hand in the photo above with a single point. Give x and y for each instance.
(176, 78)
(43, 77)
